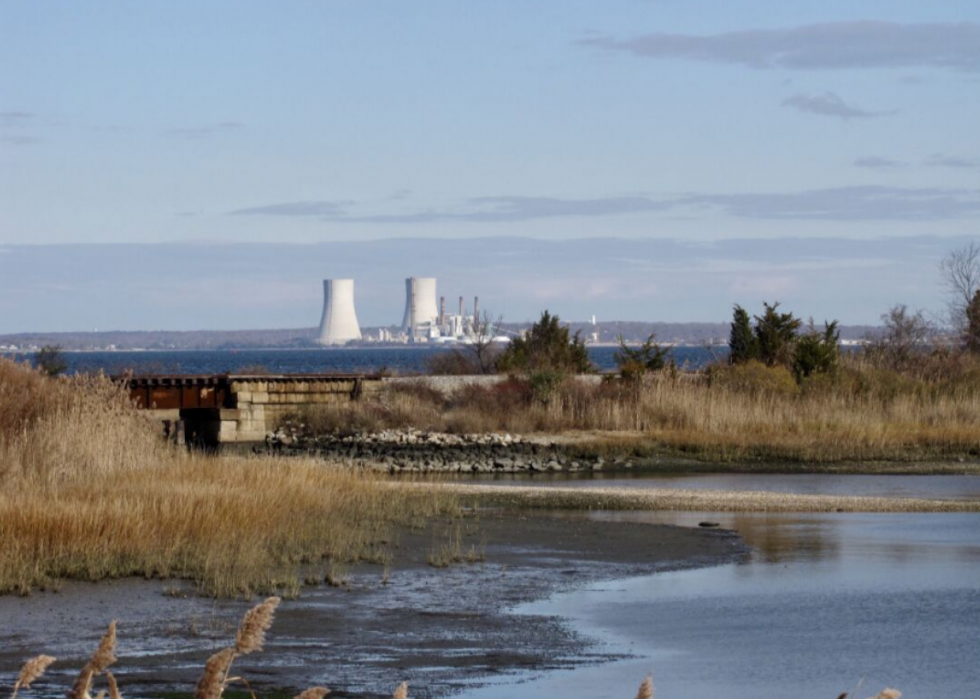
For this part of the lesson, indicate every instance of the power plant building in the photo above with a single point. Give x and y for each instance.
(338, 325)
(421, 308)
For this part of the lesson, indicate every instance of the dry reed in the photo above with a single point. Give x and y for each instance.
(103, 657)
(30, 672)
(867, 415)
(251, 634)
(212, 682)
(646, 689)
(401, 692)
(89, 492)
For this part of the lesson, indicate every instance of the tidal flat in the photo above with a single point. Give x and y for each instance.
(444, 630)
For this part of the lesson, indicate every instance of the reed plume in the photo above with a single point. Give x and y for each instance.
(401, 692)
(32, 670)
(212, 682)
(100, 660)
(313, 693)
(888, 694)
(646, 689)
(113, 687)
(251, 634)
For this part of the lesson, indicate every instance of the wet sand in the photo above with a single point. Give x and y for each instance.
(439, 629)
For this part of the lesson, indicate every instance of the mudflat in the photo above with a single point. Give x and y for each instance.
(440, 629)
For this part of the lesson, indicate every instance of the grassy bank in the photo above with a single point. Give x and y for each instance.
(746, 413)
(88, 491)
(678, 500)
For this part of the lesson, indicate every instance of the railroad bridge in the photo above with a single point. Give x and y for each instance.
(214, 409)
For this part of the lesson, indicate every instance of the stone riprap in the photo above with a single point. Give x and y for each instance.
(413, 451)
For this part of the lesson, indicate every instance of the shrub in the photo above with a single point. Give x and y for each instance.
(817, 352)
(754, 377)
(547, 346)
(633, 363)
(453, 362)
(50, 360)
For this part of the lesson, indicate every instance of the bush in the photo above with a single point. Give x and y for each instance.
(453, 363)
(548, 347)
(633, 363)
(754, 377)
(50, 360)
(817, 352)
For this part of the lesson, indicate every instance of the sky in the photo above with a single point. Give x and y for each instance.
(635, 159)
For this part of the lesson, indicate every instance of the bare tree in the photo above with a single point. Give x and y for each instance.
(477, 354)
(481, 346)
(960, 272)
(904, 335)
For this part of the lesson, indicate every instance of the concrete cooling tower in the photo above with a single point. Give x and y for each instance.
(339, 322)
(420, 302)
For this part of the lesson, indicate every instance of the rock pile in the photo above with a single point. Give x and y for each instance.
(398, 451)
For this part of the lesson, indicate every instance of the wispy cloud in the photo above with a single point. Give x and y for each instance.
(829, 104)
(953, 161)
(205, 130)
(12, 119)
(20, 140)
(858, 203)
(875, 162)
(328, 209)
(861, 203)
(830, 46)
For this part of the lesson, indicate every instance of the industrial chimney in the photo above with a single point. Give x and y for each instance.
(420, 302)
(338, 324)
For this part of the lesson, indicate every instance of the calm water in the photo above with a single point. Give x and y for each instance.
(825, 601)
(942, 487)
(403, 360)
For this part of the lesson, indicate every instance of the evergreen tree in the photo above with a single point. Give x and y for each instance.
(547, 347)
(634, 362)
(775, 334)
(741, 342)
(817, 352)
(50, 359)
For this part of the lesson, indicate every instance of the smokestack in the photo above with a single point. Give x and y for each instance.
(442, 310)
(460, 307)
(476, 308)
(338, 324)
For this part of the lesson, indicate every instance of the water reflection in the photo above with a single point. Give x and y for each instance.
(825, 600)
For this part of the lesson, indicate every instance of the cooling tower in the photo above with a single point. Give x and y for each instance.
(339, 322)
(420, 302)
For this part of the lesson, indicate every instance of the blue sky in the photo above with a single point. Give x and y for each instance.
(307, 123)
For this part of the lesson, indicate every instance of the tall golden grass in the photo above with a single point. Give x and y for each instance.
(217, 677)
(751, 413)
(89, 491)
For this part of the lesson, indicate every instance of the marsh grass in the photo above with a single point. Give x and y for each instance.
(89, 492)
(751, 413)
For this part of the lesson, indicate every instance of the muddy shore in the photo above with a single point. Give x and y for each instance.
(440, 629)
